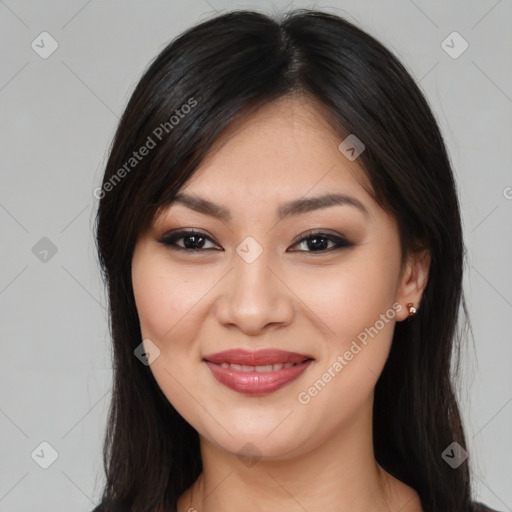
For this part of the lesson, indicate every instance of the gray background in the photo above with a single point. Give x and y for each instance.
(58, 118)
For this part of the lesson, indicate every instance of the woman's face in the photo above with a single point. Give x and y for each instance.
(248, 282)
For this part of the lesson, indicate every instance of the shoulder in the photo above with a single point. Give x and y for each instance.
(117, 508)
(481, 507)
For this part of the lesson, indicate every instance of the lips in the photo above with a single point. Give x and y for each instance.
(258, 358)
(257, 373)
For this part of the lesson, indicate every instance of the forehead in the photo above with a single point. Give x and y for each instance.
(284, 149)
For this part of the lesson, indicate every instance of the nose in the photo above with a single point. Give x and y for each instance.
(254, 297)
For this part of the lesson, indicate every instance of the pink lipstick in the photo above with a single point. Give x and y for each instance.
(257, 373)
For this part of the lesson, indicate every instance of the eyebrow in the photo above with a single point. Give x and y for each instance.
(288, 209)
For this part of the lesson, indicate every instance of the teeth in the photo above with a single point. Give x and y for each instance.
(262, 368)
(266, 368)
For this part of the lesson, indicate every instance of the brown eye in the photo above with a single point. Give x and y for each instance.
(193, 241)
(196, 242)
(319, 242)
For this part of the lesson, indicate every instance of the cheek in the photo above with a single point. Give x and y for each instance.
(165, 297)
(356, 307)
(349, 297)
(168, 306)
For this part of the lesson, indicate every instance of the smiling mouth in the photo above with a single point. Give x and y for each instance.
(260, 359)
(259, 368)
(257, 372)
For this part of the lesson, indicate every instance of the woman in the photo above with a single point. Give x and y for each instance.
(280, 235)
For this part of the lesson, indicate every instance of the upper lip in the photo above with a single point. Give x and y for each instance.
(258, 358)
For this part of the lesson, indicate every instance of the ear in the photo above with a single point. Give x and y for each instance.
(413, 280)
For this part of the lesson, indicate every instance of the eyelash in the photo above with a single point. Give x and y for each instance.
(170, 241)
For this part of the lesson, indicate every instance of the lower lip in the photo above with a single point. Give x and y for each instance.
(257, 383)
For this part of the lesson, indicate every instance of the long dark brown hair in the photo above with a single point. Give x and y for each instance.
(211, 75)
